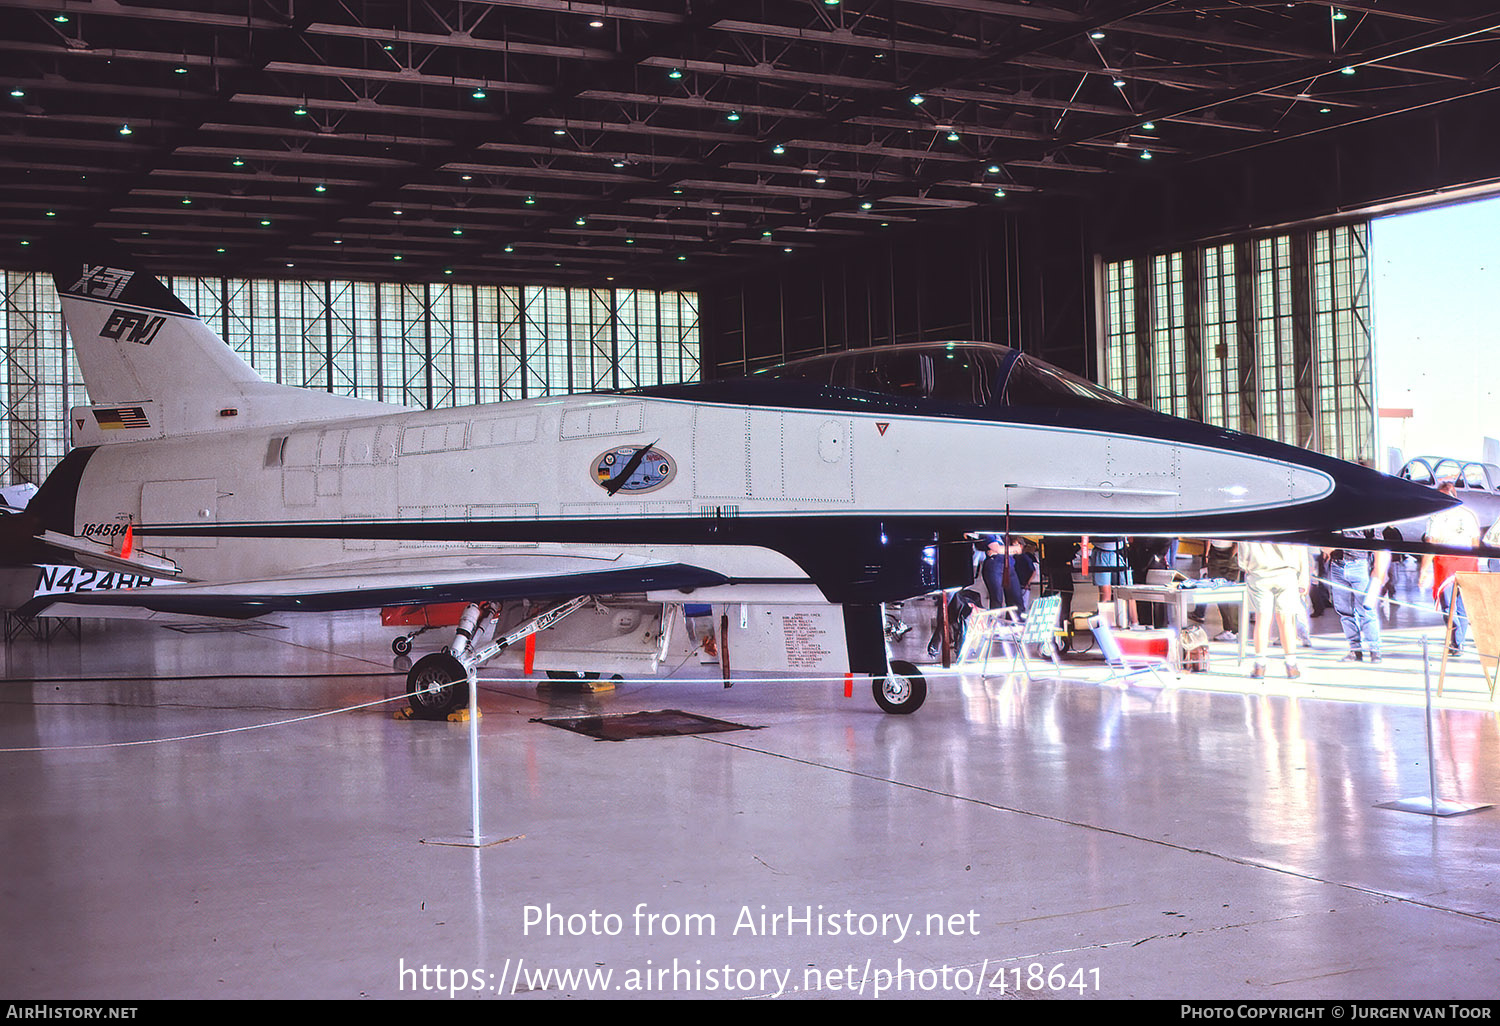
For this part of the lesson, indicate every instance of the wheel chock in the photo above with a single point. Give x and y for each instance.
(459, 716)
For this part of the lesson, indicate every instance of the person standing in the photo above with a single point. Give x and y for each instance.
(1220, 564)
(1276, 579)
(999, 573)
(1355, 580)
(1459, 527)
(1107, 564)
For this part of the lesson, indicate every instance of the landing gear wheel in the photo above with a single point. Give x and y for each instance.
(401, 645)
(903, 691)
(436, 686)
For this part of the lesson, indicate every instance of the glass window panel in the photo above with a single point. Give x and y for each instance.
(443, 344)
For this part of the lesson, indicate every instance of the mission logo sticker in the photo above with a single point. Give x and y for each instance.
(634, 468)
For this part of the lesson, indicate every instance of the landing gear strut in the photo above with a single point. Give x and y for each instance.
(439, 683)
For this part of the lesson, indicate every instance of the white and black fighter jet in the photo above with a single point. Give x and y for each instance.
(835, 483)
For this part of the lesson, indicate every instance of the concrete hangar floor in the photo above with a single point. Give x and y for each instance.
(1049, 838)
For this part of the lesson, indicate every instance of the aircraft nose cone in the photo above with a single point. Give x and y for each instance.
(1371, 498)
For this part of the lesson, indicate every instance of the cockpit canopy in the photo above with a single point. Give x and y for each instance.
(968, 373)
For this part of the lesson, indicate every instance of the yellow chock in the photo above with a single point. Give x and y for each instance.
(461, 716)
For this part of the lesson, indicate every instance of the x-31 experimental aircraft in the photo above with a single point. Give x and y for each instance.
(792, 503)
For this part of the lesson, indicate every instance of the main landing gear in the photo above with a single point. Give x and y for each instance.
(439, 683)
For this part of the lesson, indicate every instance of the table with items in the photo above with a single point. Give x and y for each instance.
(1182, 596)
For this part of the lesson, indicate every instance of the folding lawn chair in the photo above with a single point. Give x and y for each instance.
(1114, 657)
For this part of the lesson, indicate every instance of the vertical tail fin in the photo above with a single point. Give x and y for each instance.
(153, 368)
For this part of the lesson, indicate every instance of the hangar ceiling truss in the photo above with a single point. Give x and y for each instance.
(651, 142)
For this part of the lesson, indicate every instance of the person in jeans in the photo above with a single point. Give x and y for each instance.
(1459, 527)
(1355, 579)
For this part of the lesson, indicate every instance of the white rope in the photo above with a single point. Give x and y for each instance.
(208, 733)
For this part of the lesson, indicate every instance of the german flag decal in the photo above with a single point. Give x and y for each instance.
(121, 417)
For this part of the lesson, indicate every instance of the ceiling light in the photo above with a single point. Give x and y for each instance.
(1339, 15)
(999, 193)
(733, 115)
(681, 256)
(820, 180)
(265, 222)
(1145, 154)
(866, 205)
(124, 129)
(1119, 83)
(778, 149)
(580, 221)
(530, 201)
(187, 201)
(18, 92)
(51, 213)
(320, 187)
(479, 94)
(917, 99)
(953, 135)
(458, 231)
(467, 178)
(1346, 71)
(238, 162)
(300, 110)
(559, 131)
(398, 213)
(61, 19)
(993, 169)
(1096, 34)
(596, 23)
(395, 256)
(1149, 126)
(675, 73)
(510, 249)
(220, 250)
(179, 70)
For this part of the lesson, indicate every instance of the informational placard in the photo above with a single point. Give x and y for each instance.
(804, 640)
(1481, 599)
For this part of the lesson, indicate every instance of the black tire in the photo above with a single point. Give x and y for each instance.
(437, 685)
(901, 693)
(401, 645)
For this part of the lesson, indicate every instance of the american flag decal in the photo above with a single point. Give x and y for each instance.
(121, 417)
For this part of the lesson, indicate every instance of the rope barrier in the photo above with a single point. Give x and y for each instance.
(930, 672)
(1401, 632)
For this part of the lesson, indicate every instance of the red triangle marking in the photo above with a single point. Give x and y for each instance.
(879, 426)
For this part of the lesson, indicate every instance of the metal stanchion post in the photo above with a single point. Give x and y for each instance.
(1431, 805)
(476, 839)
